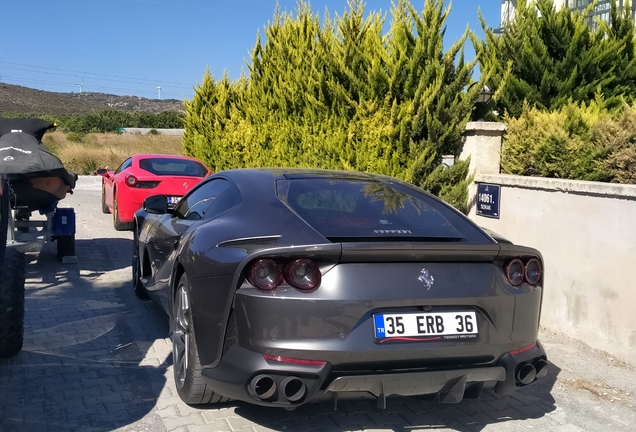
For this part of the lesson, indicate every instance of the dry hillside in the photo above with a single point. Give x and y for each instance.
(25, 100)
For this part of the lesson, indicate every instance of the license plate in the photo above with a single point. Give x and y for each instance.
(173, 200)
(425, 326)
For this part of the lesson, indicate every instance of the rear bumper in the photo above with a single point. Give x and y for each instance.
(246, 375)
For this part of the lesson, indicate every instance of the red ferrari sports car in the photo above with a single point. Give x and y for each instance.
(142, 175)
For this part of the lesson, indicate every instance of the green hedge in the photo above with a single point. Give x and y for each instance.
(578, 141)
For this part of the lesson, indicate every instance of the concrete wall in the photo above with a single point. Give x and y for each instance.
(586, 232)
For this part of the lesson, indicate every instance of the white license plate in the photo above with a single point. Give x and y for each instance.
(425, 326)
(173, 199)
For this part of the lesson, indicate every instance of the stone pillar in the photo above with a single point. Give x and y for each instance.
(483, 145)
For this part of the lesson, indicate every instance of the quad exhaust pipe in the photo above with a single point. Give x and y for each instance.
(293, 388)
(526, 374)
(263, 386)
(541, 367)
(529, 372)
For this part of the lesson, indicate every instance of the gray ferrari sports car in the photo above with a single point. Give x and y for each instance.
(288, 285)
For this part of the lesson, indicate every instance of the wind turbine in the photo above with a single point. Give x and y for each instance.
(159, 91)
(80, 85)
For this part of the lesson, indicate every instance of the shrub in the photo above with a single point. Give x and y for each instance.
(578, 141)
(75, 137)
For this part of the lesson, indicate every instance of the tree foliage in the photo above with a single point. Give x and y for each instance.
(578, 141)
(341, 94)
(546, 57)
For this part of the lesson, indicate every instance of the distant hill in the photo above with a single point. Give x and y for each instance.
(25, 100)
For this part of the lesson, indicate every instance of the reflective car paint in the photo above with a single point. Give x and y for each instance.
(332, 323)
(129, 199)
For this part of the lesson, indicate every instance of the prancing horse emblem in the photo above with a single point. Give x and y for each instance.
(426, 279)
(185, 185)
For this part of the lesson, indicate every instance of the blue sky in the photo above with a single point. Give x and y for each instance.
(129, 47)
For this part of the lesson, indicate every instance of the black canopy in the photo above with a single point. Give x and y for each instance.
(31, 126)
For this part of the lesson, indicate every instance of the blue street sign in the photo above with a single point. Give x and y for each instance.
(488, 196)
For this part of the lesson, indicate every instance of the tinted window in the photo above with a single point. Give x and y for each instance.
(195, 205)
(173, 166)
(126, 164)
(366, 210)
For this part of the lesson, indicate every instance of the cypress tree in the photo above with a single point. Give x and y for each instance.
(546, 57)
(342, 95)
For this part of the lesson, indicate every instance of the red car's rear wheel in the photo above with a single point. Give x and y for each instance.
(119, 225)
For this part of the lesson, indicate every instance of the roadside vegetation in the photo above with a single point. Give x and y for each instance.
(108, 121)
(84, 154)
(565, 84)
(342, 94)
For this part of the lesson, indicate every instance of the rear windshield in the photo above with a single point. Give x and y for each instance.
(358, 210)
(170, 166)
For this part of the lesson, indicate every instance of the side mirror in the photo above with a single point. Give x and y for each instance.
(101, 172)
(156, 204)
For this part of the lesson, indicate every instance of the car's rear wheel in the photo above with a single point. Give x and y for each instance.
(118, 224)
(140, 291)
(191, 386)
(105, 208)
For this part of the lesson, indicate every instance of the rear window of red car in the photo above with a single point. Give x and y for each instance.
(173, 167)
(359, 210)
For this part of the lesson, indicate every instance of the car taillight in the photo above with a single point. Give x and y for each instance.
(515, 271)
(131, 180)
(303, 274)
(265, 274)
(533, 271)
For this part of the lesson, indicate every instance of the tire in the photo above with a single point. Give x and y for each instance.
(65, 246)
(119, 225)
(12, 303)
(140, 290)
(105, 208)
(190, 384)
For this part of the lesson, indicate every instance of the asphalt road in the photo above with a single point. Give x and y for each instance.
(98, 359)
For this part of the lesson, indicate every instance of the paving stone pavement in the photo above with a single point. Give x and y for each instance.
(96, 358)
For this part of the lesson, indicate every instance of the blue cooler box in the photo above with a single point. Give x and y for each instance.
(64, 222)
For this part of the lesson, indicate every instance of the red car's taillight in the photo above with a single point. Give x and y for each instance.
(303, 274)
(265, 274)
(533, 271)
(515, 271)
(131, 180)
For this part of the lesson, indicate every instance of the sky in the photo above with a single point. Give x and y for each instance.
(131, 47)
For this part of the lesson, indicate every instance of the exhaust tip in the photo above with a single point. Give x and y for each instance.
(527, 374)
(293, 389)
(263, 386)
(541, 366)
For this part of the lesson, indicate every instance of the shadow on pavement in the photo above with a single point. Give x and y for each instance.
(94, 356)
(95, 359)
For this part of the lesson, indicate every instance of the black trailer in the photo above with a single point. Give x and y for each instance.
(37, 181)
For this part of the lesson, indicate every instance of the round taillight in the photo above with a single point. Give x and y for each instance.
(131, 180)
(303, 274)
(515, 271)
(265, 274)
(533, 271)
